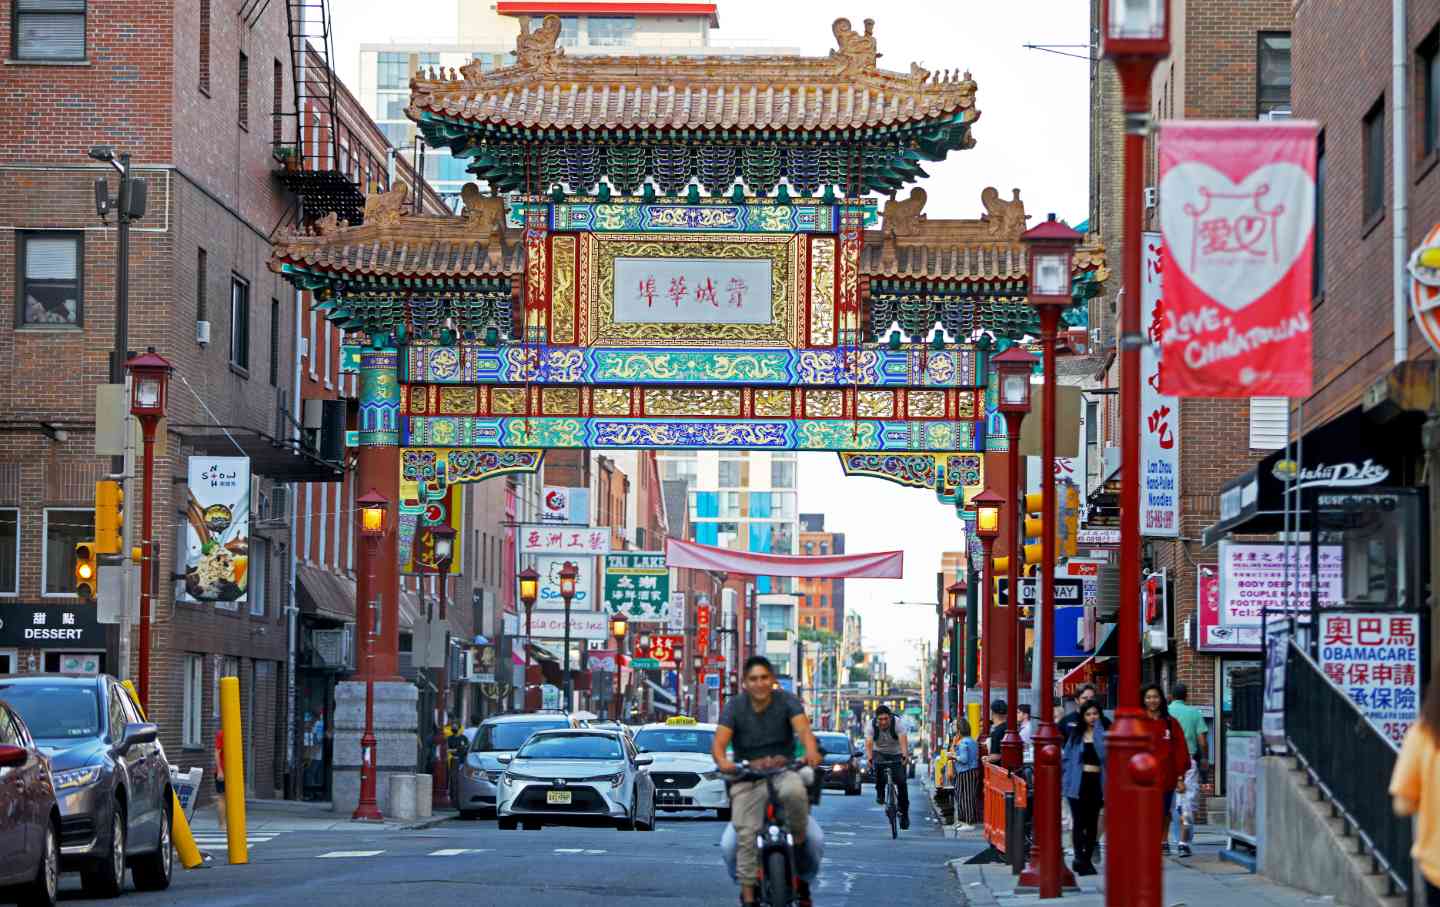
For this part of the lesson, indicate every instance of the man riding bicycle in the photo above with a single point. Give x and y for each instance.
(762, 727)
(887, 750)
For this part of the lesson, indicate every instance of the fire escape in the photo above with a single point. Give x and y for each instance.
(324, 163)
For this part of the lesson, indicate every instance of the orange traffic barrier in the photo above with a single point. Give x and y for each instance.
(998, 783)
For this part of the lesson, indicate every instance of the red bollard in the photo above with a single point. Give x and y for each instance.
(1133, 803)
(440, 779)
(1046, 871)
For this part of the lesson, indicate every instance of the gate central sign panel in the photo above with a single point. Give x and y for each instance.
(692, 291)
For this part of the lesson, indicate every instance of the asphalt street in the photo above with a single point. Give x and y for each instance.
(677, 863)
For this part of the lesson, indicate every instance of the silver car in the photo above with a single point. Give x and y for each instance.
(497, 737)
(577, 777)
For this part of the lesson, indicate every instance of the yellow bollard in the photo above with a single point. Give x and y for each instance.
(180, 832)
(975, 727)
(234, 769)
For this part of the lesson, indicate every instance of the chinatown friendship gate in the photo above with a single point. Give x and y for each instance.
(673, 253)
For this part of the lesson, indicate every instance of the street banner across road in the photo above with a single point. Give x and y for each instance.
(879, 565)
(1237, 210)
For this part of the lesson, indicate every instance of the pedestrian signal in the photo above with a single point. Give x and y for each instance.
(87, 574)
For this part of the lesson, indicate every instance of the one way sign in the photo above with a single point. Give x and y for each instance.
(1068, 592)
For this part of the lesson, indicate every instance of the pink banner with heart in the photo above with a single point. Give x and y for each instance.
(1237, 212)
(878, 565)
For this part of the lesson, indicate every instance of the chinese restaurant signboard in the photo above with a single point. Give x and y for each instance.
(1375, 658)
(217, 529)
(1237, 210)
(1159, 413)
(637, 583)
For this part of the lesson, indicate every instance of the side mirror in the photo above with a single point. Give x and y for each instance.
(12, 755)
(504, 760)
(644, 760)
(140, 732)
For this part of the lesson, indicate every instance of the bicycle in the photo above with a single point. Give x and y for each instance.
(892, 794)
(775, 844)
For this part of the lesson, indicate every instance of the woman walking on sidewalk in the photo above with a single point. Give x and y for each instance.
(1415, 788)
(1167, 743)
(966, 761)
(1083, 783)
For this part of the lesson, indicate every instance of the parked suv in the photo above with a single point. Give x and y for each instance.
(475, 788)
(29, 818)
(111, 778)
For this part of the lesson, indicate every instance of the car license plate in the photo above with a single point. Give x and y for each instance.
(558, 797)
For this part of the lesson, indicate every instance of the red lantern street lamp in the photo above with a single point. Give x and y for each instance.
(619, 623)
(955, 613)
(1013, 368)
(149, 382)
(1135, 35)
(373, 508)
(988, 505)
(568, 574)
(529, 582)
(443, 539)
(697, 663)
(1051, 250)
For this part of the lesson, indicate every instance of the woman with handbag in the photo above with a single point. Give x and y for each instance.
(968, 777)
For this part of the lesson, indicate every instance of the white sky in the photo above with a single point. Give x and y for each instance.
(1032, 134)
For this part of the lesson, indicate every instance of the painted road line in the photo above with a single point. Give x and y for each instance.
(458, 851)
(342, 854)
(569, 850)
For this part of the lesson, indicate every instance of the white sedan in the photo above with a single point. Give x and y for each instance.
(685, 775)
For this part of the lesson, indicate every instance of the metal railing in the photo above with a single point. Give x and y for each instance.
(1349, 760)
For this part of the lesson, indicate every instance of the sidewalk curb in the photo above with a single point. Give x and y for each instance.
(431, 822)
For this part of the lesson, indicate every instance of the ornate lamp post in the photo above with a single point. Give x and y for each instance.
(697, 663)
(1136, 36)
(443, 537)
(1051, 250)
(956, 613)
(149, 381)
(373, 508)
(618, 625)
(529, 582)
(1014, 367)
(988, 505)
(568, 573)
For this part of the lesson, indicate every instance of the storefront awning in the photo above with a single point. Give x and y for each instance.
(1349, 451)
(1084, 672)
(331, 595)
(276, 458)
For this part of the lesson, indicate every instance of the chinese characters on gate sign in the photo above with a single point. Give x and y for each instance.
(554, 540)
(693, 290)
(1237, 209)
(1160, 413)
(1375, 659)
(704, 294)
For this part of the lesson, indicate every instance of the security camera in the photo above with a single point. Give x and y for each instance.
(104, 153)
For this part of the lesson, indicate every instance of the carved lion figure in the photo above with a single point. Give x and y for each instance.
(1004, 220)
(859, 51)
(383, 208)
(904, 218)
(484, 213)
(537, 50)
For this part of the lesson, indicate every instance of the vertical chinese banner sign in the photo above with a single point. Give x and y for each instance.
(1159, 413)
(1237, 210)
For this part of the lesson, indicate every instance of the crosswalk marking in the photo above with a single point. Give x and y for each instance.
(579, 850)
(338, 854)
(458, 851)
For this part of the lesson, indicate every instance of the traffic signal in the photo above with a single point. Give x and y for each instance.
(87, 571)
(109, 517)
(1068, 521)
(1034, 527)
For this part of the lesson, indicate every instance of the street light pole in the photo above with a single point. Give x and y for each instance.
(1136, 36)
(444, 542)
(151, 374)
(529, 582)
(1014, 367)
(988, 505)
(373, 508)
(618, 624)
(568, 574)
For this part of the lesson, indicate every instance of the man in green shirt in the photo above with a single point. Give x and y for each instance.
(1192, 723)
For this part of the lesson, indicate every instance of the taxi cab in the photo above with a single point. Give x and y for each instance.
(685, 775)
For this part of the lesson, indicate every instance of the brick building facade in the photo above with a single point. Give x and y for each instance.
(197, 98)
(822, 601)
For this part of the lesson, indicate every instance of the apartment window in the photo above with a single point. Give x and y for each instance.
(277, 79)
(611, 31)
(202, 275)
(244, 118)
(1092, 422)
(1272, 70)
(782, 473)
(48, 29)
(204, 46)
(191, 736)
(729, 473)
(255, 587)
(274, 342)
(824, 622)
(50, 269)
(1374, 168)
(1317, 274)
(65, 528)
(239, 323)
(9, 551)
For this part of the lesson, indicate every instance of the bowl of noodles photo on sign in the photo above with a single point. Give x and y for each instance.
(217, 529)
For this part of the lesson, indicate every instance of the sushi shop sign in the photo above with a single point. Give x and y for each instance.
(217, 529)
(50, 627)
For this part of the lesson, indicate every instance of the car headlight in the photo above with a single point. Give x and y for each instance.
(472, 773)
(76, 777)
(493, 776)
(839, 768)
(516, 776)
(617, 780)
(712, 775)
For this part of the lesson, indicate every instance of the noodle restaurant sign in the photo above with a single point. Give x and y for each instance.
(217, 529)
